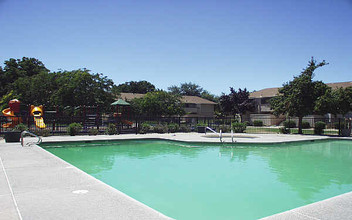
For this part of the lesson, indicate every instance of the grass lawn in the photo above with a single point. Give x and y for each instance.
(275, 130)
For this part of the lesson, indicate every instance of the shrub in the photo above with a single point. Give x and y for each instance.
(145, 128)
(319, 127)
(238, 127)
(74, 128)
(42, 132)
(284, 130)
(160, 128)
(173, 127)
(225, 128)
(340, 125)
(111, 130)
(20, 127)
(201, 124)
(248, 123)
(258, 123)
(185, 128)
(93, 131)
(305, 124)
(289, 124)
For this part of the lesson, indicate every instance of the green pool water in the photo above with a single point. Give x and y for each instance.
(202, 181)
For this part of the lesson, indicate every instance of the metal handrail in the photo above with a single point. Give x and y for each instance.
(31, 134)
(210, 129)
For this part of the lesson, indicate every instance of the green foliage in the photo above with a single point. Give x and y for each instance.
(145, 128)
(238, 127)
(173, 127)
(192, 89)
(340, 125)
(160, 128)
(338, 101)
(201, 124)
(79, 87)
(284, 130)
(186, 89)
(289, 124)
(16, 69)
(158, 103)
(74, 128)
(29, 81)
(305, 125)
(248, 123)
(224, 128)
(111, 129)
(20, 127)
(319, 127)
(43, 132)
(142, 87)
(4, 101)
(93, 131)
(299, 96)
(258, 123)
(185, 128)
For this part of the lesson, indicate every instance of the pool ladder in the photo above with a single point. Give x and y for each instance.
(220, 133)
(30, 134)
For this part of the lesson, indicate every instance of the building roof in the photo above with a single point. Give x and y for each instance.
(271, 92)
(184, 99)
(130, 96)
(340, 85)
(196, 100)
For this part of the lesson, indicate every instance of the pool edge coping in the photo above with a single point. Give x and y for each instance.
(104, 184)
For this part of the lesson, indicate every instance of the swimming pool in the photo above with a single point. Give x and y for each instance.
(214, 181)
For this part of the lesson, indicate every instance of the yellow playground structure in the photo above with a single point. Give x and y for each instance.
(37, 113)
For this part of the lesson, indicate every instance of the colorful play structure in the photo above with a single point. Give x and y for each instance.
(13, 114)
(123, 108)
(37, 113)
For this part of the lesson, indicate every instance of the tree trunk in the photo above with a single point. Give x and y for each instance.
(300, 118)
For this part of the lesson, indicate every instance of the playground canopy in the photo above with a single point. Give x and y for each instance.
(120, 102)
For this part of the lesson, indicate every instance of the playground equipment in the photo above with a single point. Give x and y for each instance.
(37, 113)
(124, 111)
(11, 114)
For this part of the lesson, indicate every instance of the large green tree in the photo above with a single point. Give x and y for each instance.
(64, 88)
(134, 87)
(18, 68)
(298, 97)
(80, 87)
(192, 89)
(337, 101)
(159, 103)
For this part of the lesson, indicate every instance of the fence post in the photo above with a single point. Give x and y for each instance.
(97, 119)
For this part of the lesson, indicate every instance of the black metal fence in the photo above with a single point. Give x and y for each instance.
(55, 124)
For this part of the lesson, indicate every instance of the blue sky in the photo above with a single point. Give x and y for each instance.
(217, 44)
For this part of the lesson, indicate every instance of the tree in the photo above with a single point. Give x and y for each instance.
(65, 88)
(158, 103)
(80, 87)
(342, 101)
(142, 87)
(338, 101)
(237, 102)
(192, 89)
(20, 68)
(299, 96)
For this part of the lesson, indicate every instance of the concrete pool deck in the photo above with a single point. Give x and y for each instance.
(34, 184)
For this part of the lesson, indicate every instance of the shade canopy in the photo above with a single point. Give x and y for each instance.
(120, 102)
